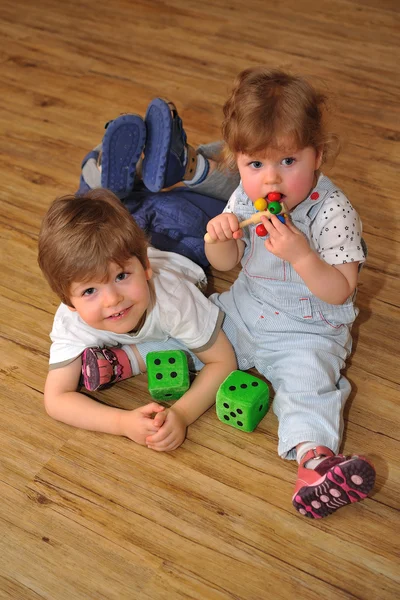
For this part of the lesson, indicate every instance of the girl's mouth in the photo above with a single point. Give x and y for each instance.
(275, 197)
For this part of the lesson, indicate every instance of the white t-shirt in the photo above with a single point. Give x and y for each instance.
(180, 311)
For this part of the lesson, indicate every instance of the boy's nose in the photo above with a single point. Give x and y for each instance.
(112, 297)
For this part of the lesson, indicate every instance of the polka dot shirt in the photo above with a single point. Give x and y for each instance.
(336, 231)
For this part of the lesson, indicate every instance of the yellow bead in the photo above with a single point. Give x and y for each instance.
(260, 204)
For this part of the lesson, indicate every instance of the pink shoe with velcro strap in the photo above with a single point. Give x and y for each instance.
(336, 481)
(103, 366)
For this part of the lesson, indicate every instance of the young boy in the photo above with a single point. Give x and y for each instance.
(114, 294)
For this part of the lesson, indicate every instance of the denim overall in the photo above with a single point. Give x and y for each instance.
(297, 341)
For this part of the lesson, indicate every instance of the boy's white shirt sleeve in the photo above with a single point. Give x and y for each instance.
(66, 335)
(189, 317)
(337, 231)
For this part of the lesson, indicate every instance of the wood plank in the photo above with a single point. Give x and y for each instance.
(85, 515)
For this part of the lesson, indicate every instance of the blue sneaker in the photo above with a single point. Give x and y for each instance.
(168, 159)
(123, 144)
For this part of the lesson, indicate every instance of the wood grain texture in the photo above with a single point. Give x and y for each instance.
(89, 516)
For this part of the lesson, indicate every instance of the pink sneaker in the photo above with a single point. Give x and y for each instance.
(338, 480)
(102, 366)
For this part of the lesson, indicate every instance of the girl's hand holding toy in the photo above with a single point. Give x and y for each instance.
(265, 210)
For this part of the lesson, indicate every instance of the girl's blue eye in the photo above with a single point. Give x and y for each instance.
(89, 292)
(288, 161)
(121, 276)
(256, 164)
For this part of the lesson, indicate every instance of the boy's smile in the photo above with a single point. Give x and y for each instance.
(117, 304)
(292, 174)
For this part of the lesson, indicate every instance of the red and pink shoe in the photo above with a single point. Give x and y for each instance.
(103, 366)
(336, 481)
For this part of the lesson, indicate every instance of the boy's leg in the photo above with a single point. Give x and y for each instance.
(122, 146)
(90, 172)
(112, 164)
(169, 159)
(220, 182)
(102, 367)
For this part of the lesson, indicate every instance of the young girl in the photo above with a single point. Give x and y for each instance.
(290, 312)
(119, 297)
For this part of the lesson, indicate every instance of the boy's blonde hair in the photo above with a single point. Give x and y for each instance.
(267, 107)
(81, 235)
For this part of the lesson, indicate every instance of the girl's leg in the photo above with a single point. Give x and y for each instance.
(310, 394)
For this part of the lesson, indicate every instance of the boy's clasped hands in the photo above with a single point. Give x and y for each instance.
(159, 428)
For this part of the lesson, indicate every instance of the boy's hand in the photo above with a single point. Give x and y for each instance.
(138, 424)
(224, 227)
(285, 241)
(171, 432)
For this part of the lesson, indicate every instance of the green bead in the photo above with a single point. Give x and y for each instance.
(167, 374)
(274, 207)
(242, 401)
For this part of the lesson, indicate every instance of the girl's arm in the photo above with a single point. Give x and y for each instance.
(226, 248)
(332, 284)
(63, 403)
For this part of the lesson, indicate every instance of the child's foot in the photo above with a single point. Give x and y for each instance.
(103, 366)
(168, 159)
(335, 482)
(123, 144)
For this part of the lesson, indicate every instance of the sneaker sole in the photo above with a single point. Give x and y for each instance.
(343, 484)
(123, 144)
(158, 120)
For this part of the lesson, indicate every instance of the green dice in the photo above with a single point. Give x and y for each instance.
(168, 374)
(242, 401)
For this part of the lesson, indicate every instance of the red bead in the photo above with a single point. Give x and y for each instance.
(274, 196)
(260, 230)
(314, 196)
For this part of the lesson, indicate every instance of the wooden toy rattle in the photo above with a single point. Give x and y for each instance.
(264, 209)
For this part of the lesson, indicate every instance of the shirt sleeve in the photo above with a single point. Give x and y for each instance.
(337, 230)
(190, 317)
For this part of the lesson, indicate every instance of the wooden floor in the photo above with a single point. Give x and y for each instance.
(90, 516)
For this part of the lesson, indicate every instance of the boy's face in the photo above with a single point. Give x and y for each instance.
(117, 304)
(292, 174)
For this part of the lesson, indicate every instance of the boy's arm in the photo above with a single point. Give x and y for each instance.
(219, 361)
(64, 403)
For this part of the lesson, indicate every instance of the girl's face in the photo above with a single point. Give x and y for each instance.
(117, 304)
(292, 174)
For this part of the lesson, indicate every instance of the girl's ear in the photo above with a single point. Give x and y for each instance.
(71, 308)
(318, 158)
